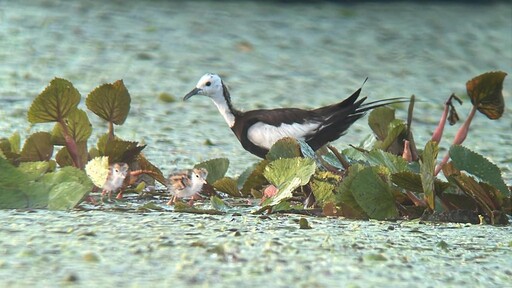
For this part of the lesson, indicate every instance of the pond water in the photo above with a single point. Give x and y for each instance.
(271, 54)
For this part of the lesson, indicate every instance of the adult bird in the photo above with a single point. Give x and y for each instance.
(258, 130)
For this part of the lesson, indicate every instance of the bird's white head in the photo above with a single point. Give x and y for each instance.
(198, 177)
(209, 85)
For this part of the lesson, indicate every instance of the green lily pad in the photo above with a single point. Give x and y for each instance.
(109, 101)
(54, 103)
(475, 164)
(485, 92)
(427, 167)
(216, 168)
(38, 147)
(373, 194)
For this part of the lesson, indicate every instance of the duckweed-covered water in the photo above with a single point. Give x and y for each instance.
(271, 55)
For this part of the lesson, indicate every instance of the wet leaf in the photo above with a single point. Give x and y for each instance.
(427, 167)
(485, 92)
(145, 165)
(373, 194)
(284, 148)
(97, 170)
(38, 147)
(110, 101)
(216, 168)
(475, 164)
(227, 185)
(54, 103)
(78, 125)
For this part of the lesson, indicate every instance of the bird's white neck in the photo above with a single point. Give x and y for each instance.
(225, 108)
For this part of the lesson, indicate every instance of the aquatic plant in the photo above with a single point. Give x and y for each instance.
(387, 178)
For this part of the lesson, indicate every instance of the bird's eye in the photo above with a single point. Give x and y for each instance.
(208, 83)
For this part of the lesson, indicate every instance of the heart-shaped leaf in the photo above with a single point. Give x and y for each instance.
(485, 92)
(110, 102)
(54, 103)
(38, 147)
(216, 168)
(78, 125)
(374, 194)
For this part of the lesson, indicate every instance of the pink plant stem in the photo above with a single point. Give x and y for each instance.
(71, 145)
(438, 133)
(459, 138)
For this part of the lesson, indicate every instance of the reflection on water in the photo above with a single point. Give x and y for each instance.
(270, 54)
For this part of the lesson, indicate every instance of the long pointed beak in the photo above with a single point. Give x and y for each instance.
(195, 91)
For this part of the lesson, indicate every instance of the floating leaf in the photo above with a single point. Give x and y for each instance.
(34, 170)
(284, 148)
(78, 125)
(374, 194)
(97, 170)
(287, 174)
(54, 103)
(218, 204)
(69, 187)
(216, 168)
(285, 192)
(427, 167)
(476, 164)
(304, 224)
(485, 92)
(323, 185)
(110, 102)
(227, 185)
(38, 147)
(344, 197)
(282, 170)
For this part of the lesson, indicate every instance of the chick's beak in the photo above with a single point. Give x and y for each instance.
(194, 91)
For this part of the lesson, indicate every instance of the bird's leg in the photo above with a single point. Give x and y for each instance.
(120, 194)
(172, 200)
